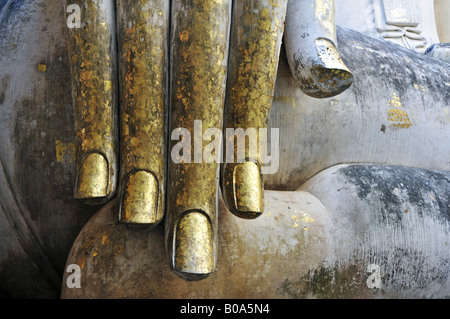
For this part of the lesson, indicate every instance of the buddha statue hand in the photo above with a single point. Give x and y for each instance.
(183, 72)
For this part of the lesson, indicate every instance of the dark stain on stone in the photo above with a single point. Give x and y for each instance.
(330, 283)
(394, 186)
(402, 273)
(4, 88)
(44, 185)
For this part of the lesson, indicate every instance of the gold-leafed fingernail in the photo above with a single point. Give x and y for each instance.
(92, 181)
(140, 199)
(248, 190)
(194, 246)
(334, 74)
(329, 55)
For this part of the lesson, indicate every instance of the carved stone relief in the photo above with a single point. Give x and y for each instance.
(399, 21)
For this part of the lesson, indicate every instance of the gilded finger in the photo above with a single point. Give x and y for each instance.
(200, 33)
(312, 53)
(255, 46)
(92, 53)
(143, 37)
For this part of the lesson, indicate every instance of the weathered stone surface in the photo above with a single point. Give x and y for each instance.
(393, 216)
(391, 219)
(40, 220)
(395, 112)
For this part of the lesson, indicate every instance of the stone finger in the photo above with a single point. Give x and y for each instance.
(255, 47)
(200, 36)
(143, 37)
(92, 53)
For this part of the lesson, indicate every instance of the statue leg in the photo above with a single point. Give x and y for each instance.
(342, 242)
